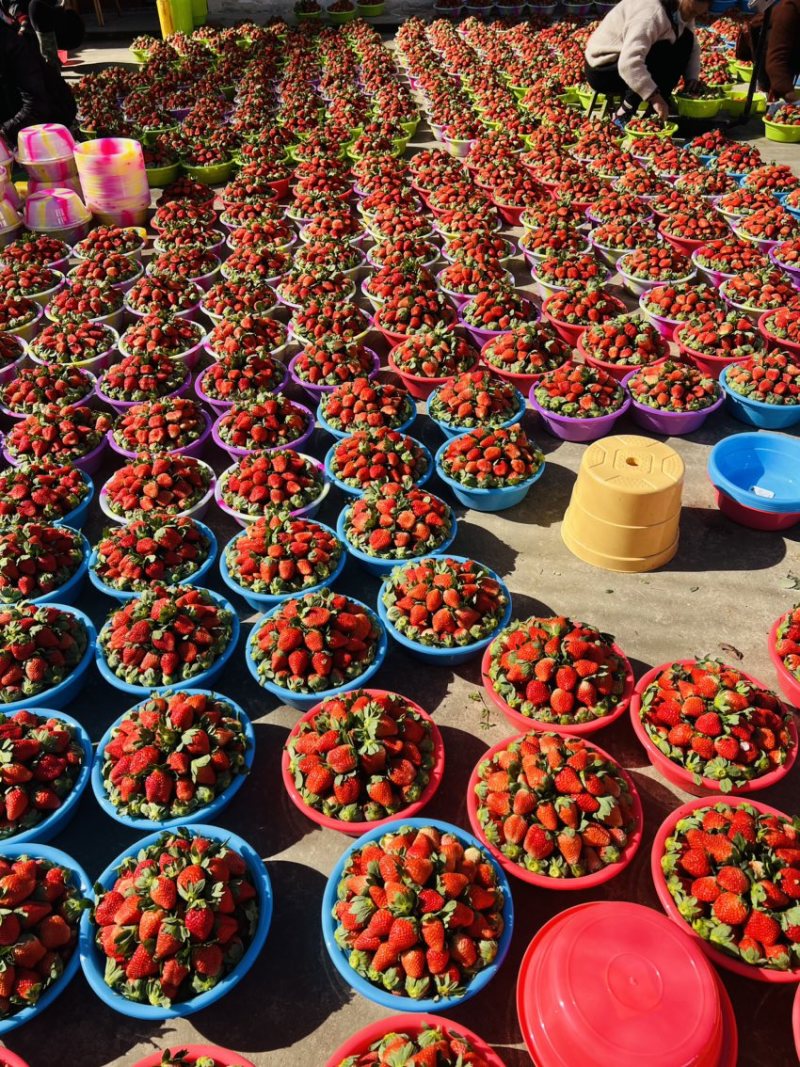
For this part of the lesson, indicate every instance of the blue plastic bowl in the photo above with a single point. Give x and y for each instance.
(380, 996)
(351, 491)
(769, 462)
(210, 811)
(54, 823)
(456, 431)
(93, 962)
(77, 517)
(305, 701)
(69, 592)
(486, 499)
(444, 657)
(756, 412)
(67, 690)
(199, 681)
(265, 601)
(193, 579)
(381, 567)
(13, 849)
(402, 428)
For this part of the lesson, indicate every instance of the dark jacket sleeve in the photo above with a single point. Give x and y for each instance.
(783, 47)
(23, 69)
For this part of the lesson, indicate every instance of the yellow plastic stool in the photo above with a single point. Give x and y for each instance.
(625, 510)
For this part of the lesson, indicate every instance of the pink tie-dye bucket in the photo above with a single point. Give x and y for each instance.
(114, 180)
(46, 151)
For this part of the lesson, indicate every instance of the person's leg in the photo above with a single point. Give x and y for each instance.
(42, 17)
(666, 62)
(605, 80)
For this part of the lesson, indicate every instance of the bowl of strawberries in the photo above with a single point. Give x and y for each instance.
(179, 485)
(781, 329)
(274, 422)
(668, 307)
(424, 361)
(717, 340)
(177, 425)
(417, 1032)
(386, 763)
(645, 268)
(315, 646)
(366, 459)
(436, 968)
(193, 1055)
(47, 491)
(578, 402)
(42, 563)
(475, 399)
(365, 404)
(672, 398)
(711, 728)
(621, 345)
(495, 311)
(571, 312)
(764, 391)
(521, 356)
(490, 470)
(228, 911)
(262, 482)
(784, 651)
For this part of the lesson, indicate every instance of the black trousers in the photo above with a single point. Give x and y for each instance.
(665, 61)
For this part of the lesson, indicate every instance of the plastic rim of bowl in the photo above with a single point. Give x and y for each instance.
(728, 963)
(495, 499)
(244, 519)
(456, 431)
(13, 849)
(222, 1057)
(91, 959)
(411, 1024)
(404, 426)
(267, 601)
(304, 701)
(569, 428)
(757, 412)
(371, 992)
(525, 723)
(706, 788)
(786, 680)
(198, 508)
(192, 579)
(418, 385)
(458, 653)
(68, 591)
(237, 453)
(207, 811)
(193, 448)
(587, 881)
(772, 339)
(379, 565)
(355, 829)
(351, 490)
(200, 681)
(220, 407)
(662, 421)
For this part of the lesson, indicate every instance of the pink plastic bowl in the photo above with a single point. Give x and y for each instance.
(222, 1057)
(713, 366)
(667, 828)
(355, 829)
(588, 881)
(754, 518)
(411, 1024)
(418, 386)
(686, 245)
(618, 371)
(676, 774)
(523, 723)
(567, 330)
(773, 341)
(786, 680)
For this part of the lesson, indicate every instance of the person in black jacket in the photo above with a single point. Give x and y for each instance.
(31, 89)
(55, 26)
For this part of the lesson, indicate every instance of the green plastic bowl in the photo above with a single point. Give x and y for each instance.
(338, 18)
(669, 130)
(370, 11)
(215, 174)
(776, 131)
(698, 108)
(159, 177)
(308, 16)
(737, 97)
(140, 55)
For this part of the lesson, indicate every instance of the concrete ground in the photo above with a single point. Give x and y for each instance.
(718, 597)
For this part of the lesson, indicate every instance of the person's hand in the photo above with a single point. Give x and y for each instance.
(694, 85)
(660, 106)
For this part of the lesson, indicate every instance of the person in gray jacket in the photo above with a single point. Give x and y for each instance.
(642, 49)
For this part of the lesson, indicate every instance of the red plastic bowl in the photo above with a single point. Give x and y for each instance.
(676, 774)
(567, 330)
(419, 386)
(509, 214)
(618, 371)
(523, 382)
(411, 1024)
(687, 245)
(746, 970)
(773, 341)
(754, 518)
(796, 1022)
(588, 881)
(11, 1059)
(355, 829)
(713, 366)
(393, 339)
(521, 722)
(786, 680)
(222, 1056)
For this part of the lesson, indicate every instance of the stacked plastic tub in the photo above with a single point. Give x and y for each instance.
(114, 180)
(53, 206)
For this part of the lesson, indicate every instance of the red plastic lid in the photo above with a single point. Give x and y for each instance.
(612, 978)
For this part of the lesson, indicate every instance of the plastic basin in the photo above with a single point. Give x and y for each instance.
(93, 963)
(713, 366)
(520, 722)
(411, 1024)
(221, 406)
(222, 1057)
(637, 286)
(757, 412)
(786, 680)
(450, 431)
(582, 431)
(676, 774)
(355, 829)
(239, 453)
(445, 657)
(379, 996)
(381, 567)
(196, 510)
(669, 423)
(308, 510)
(498, 499)
(208, 811)
(69, 591)
(194, 448)
(417, 385)
(758, 470)
(773, 341)
(66, 691)
(314, 392)
(351, 490)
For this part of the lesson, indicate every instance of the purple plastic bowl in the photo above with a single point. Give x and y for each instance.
(85, 401)
(239, 453)
(792, 273)
(308, 512)
(316, 392)
(669, 423)
(715, 277)
(89, 463)
(121, 406)
(483, 337)
(189, 358)
(194, 449)
(579, 430)
(8, 373)
(221, 406)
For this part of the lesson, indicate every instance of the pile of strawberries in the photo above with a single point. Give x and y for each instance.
(155, 336)
(42, 907)
(177, 918)
(329, 320)
(246, 335)
(434, 354)
(157, 549)
(273, 422)
(475, 399)
(173, 484)
(671, 386)
(555, 806)
(411, 309)
(582, 307)
(498, 308)
(491, 459)
(363, 756)
(682, 302)
(724, 334)
(784, 324)
(172, 755)
(165, 425)
(532, 348)
(242, 378)
(40, 646)
(440, 1046)
(374, 458)
(141, 376)
(444, 603)
(162, 295)
(624, 341)
(734, 873)
(392, 522)
(46, 491)
(277, 555)
(316, 642)
(36, 386)
(768, 377)
(331, 364)
(419, 914)
(366, 405)
(36, 559)
(232, 300)
(110, 268)
(578, 391)
(43, 762)
(62, 434)
(569, 271)
(556, 670)
(168, 634)
(72, 342)
(283, 480)
(761, 290)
